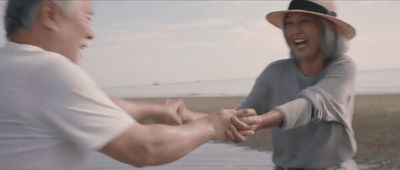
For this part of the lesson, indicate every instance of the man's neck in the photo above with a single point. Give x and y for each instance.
(27, 37)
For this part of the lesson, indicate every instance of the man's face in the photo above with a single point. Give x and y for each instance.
(75, 30)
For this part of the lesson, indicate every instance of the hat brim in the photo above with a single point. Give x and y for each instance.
(345, 29)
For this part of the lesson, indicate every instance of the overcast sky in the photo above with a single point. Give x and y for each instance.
(141, 42)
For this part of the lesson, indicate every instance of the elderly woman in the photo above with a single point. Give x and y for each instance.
(308, 98)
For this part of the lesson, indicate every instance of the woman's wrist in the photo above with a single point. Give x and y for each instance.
(273, 118)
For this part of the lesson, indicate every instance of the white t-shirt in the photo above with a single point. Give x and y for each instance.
(51, 112)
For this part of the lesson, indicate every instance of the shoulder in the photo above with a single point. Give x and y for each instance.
(343, 63)
(344, 60)
(278, 66)
(46, 61)
(274, 69)
(53, 70)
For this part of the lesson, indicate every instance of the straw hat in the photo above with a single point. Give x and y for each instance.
(322, 8)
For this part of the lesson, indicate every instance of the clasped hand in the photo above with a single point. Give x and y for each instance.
(234, 125)
(244, 123)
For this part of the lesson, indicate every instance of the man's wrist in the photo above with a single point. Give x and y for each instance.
(210, 125)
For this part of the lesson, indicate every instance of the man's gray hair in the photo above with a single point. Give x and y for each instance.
(21, 14)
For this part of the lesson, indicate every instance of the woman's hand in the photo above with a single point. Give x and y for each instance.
(243, 125)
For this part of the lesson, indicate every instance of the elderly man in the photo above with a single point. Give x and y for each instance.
(52, 113)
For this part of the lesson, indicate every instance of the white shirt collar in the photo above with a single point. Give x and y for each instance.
(27, 47)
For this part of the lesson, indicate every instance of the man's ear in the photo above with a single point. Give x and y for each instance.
(49, 15)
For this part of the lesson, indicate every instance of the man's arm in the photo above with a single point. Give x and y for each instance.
(161, 113)
(142, 145)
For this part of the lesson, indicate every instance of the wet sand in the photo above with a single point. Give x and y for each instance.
(376, 124)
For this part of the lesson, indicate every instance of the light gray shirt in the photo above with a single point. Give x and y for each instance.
(317, 130)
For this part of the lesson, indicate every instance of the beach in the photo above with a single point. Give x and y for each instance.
(375, 123)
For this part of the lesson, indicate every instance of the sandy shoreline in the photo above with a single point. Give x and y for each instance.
(376, 124)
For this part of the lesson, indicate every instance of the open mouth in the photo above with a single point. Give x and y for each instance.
(300, 43)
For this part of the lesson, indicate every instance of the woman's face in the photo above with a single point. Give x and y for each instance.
(303, 35)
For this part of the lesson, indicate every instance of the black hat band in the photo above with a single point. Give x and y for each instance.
(310, 6)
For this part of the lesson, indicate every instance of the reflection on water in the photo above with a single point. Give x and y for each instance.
(210, 156)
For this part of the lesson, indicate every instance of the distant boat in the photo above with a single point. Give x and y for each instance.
(156, 84)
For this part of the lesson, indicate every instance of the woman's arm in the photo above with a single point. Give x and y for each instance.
(331, 99)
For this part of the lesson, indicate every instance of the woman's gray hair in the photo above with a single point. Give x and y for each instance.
(333, 44)
(21, 14)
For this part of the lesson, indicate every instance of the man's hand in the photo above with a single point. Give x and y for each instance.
(233, 124)
(220, 122)
(243, 125)
(188, 115)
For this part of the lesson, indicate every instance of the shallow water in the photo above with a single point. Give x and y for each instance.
(210, 156)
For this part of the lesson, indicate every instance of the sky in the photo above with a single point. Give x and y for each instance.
(143, 42)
